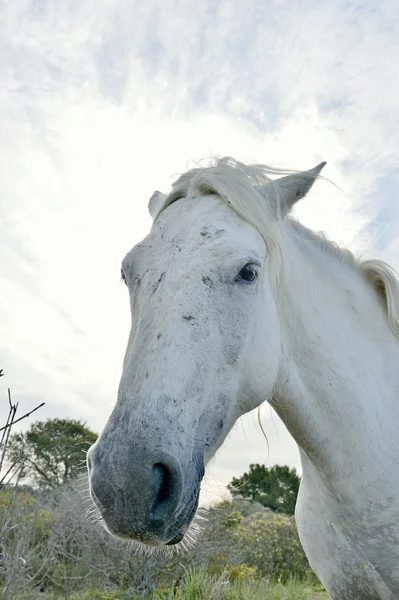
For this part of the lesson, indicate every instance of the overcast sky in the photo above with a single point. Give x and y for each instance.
(102, 101)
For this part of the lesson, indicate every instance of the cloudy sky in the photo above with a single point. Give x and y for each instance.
(102, 101)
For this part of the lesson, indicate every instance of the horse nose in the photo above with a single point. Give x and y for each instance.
(139, 502)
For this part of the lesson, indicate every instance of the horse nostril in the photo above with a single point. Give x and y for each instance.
(165, 485)
(162, 482)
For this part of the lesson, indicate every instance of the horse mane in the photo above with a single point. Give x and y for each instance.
(384, 280)
(234, 183)
(382, 277)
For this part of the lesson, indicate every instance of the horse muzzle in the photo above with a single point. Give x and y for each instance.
(142, 499)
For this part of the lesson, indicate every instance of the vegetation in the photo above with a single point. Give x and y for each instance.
(276, 488)
(50, 549)
(51, 451)
(197, 584)
(54, 551)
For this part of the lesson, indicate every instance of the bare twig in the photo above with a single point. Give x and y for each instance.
(9, 470)
(6, 432)
(7, 429)
(8, 425)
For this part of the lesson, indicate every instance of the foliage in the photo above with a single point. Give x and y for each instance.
(230, 515)
(197, 584)
(52, 551)
(241, 572)
(272, 545)
(24, 545)
(264, 541)
(52, 451)
(24, 509)
(275, 488)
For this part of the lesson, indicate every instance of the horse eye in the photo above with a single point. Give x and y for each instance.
(123, 278)
(248, 274)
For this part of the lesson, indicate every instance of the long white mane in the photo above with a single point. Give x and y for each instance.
(235, 183)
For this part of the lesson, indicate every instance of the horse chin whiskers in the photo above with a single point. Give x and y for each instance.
(189, 540)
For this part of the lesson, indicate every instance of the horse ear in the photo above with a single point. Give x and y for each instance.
(155, 204)
(286, 191)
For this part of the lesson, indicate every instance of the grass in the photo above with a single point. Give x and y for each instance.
(197, 584)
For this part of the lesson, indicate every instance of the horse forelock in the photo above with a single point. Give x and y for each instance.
(233, 182)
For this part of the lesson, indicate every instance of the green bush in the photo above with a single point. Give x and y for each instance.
(21, 508)
(52, 549)
(241, 572)
(271, 544)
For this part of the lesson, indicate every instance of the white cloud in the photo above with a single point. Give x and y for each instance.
(100, 102)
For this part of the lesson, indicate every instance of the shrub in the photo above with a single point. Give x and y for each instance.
(241, 572)
(271, 544)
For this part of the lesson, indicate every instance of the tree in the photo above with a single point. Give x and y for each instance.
(52, 451)
(275, 488)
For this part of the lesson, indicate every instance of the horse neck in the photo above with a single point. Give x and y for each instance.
(338, 389)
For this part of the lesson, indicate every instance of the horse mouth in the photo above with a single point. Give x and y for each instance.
(184, 521)
(147, 536)
(177, 539)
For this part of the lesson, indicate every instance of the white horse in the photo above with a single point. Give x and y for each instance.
(234, 302)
